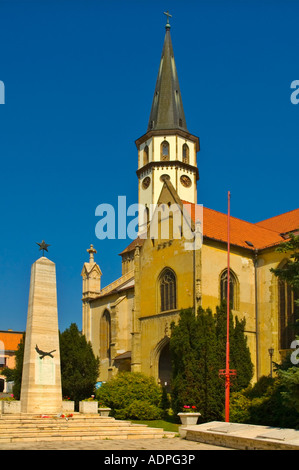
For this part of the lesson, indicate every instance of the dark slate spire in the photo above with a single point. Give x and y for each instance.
(167, 108)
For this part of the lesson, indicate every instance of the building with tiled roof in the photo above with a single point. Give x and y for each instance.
(282, 223)
(9, 342)
(128, 321)
(253, 236)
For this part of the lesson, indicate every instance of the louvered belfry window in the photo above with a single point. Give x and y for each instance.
(168, 290)
(185, 153)
(165, 150)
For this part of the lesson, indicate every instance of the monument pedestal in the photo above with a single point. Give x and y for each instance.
(41, 378)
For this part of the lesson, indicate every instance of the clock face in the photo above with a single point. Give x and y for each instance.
(186, 181)
(146, 182)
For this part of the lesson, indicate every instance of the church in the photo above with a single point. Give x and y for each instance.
(128, 321)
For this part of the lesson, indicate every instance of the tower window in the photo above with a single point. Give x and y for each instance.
(168, 290)
(165, 150)
(185, 153)
(145, 155)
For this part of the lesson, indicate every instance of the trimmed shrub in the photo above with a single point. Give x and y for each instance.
(264, 404)
(131, 395)
(139, 409)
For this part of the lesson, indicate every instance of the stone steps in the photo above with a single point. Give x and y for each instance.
(30, 428)
(61, 423)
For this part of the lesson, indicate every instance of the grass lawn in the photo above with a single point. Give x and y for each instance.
(159, 423)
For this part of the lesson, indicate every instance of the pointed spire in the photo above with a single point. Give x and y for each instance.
(167, 108)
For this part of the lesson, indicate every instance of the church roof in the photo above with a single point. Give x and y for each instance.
(126, 281)
(167, 110)
(270, 232)
(246, 234)
(138, 241)
(125, 355)
(283, 223)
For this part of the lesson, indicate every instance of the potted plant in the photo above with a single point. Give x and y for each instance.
(189, 416)
(103, 410)
(89, 406)
(68, 405)
(10, 405)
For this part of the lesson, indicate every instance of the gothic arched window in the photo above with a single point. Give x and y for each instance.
(167, 283)
(288, 314)
(233, 288)
(185, 153)
(105, 336)
(164, 150)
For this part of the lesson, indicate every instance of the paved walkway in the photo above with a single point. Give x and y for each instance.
(172, 444)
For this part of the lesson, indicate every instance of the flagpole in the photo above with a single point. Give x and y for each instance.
(227, 374)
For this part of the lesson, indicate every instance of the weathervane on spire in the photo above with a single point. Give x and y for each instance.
(168, 16)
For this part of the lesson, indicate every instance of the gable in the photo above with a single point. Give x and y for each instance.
(90, 270)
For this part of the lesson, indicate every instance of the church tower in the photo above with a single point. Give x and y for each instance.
(167, 150)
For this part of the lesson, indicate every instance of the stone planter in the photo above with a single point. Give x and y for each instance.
(88, 407)
(10, 406)
(187, 419)
(68, 406)
(104, 411)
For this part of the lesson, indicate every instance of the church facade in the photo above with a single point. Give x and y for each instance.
(128, 321)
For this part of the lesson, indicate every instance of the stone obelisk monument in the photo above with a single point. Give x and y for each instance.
(41, 378)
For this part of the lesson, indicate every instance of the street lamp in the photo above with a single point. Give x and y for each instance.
(271, 352)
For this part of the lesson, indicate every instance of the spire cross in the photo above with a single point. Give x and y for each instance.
(168, 16)
(91, 252)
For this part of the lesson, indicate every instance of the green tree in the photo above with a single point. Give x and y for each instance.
(290, 271)
(290, 381)
(288, 372)
(79, 366)
(193, 347)
(240, 358)
(269, 403)
(198, 350)
(210, 389)
(183, 341)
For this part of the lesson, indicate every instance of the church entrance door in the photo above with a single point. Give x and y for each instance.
(165, 367)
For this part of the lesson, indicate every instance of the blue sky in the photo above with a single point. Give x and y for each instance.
(79, 81)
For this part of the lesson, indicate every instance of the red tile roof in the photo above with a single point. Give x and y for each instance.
(261, 235)
(283, 223)
(241, 232)
(138, 241)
